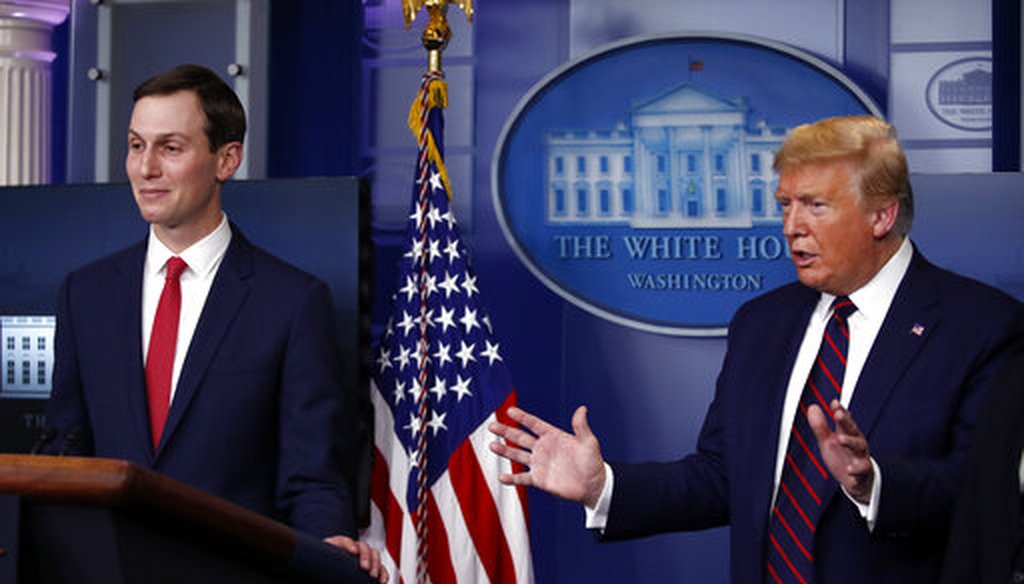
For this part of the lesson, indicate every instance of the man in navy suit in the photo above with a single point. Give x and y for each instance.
(255, 412)
(923, 347)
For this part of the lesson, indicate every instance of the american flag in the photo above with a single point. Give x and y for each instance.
(439, 378)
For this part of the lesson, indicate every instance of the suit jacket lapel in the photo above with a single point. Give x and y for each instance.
(789, 333)
(912, 316)
(126, 300)
(227, 295)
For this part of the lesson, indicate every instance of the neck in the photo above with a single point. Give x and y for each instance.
(888, 247)
(179, 238)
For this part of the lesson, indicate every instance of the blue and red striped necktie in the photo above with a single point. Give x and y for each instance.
(806, 484)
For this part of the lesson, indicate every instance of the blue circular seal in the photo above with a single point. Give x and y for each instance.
(960, 94)
(637, 181)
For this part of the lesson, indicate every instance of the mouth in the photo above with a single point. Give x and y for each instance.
(802, 259)
(152, 192)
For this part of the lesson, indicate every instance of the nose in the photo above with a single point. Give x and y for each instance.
(149, 165)
(793, 221)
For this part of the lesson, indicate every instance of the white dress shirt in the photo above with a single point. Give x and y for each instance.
(872, 301)
(203, 258)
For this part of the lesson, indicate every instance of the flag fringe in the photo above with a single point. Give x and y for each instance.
(433, 94)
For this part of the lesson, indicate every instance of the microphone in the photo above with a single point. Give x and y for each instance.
(45, 437)
(71, 438)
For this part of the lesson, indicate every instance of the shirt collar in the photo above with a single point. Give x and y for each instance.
(202, 256)
(873, 299)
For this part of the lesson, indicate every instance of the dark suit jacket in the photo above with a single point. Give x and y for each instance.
(988, 524)
(257, 416)
(916, 400)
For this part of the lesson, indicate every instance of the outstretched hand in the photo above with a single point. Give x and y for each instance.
(566, 465)
(845, 450)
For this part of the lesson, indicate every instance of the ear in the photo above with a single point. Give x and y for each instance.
(229, 158)
(884, 219)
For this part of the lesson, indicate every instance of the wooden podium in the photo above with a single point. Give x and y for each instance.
(84, 520)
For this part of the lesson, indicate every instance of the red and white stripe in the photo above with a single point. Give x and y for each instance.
(477, 527)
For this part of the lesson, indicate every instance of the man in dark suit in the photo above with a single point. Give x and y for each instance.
(195, 353)
(986, 542)
(836, 436)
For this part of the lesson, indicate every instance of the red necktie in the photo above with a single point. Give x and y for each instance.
(806, 483)
(160, 358)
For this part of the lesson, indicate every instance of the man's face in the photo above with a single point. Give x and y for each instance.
(174, 176)
(833, 241)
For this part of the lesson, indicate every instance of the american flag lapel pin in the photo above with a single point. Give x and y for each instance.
(917, 330)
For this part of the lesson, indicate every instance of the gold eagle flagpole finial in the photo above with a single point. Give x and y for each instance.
(437, 32)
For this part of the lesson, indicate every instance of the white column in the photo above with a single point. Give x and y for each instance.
(707, 200)
(26, 28)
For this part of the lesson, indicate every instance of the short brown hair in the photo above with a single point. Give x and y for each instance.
(225, 116)
(871, 142)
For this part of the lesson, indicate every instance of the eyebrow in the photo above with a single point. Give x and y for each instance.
(160, 137)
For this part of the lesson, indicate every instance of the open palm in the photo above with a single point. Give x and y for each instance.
(566, 465)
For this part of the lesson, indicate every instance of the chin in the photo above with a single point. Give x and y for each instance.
(809, 280)
(150, 216)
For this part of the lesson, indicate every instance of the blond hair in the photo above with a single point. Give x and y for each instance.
(871, 143)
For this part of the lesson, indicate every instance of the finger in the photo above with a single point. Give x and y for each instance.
(513, 434)
(497, 428)
(530, 421)
(343, 542)
(514, 454)
(365, 559)
(816, 419)
(580, 427)
(374, 563)
(857, 445)
(859, 467)
(844, 421)
(523, 479)
(518, 437)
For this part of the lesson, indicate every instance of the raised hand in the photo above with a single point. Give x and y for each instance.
(566, 465)
(845, 450)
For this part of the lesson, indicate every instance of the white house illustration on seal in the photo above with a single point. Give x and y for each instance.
(27, 355)
(688, 159)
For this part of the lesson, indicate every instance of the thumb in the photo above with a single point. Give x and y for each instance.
(580, 427)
